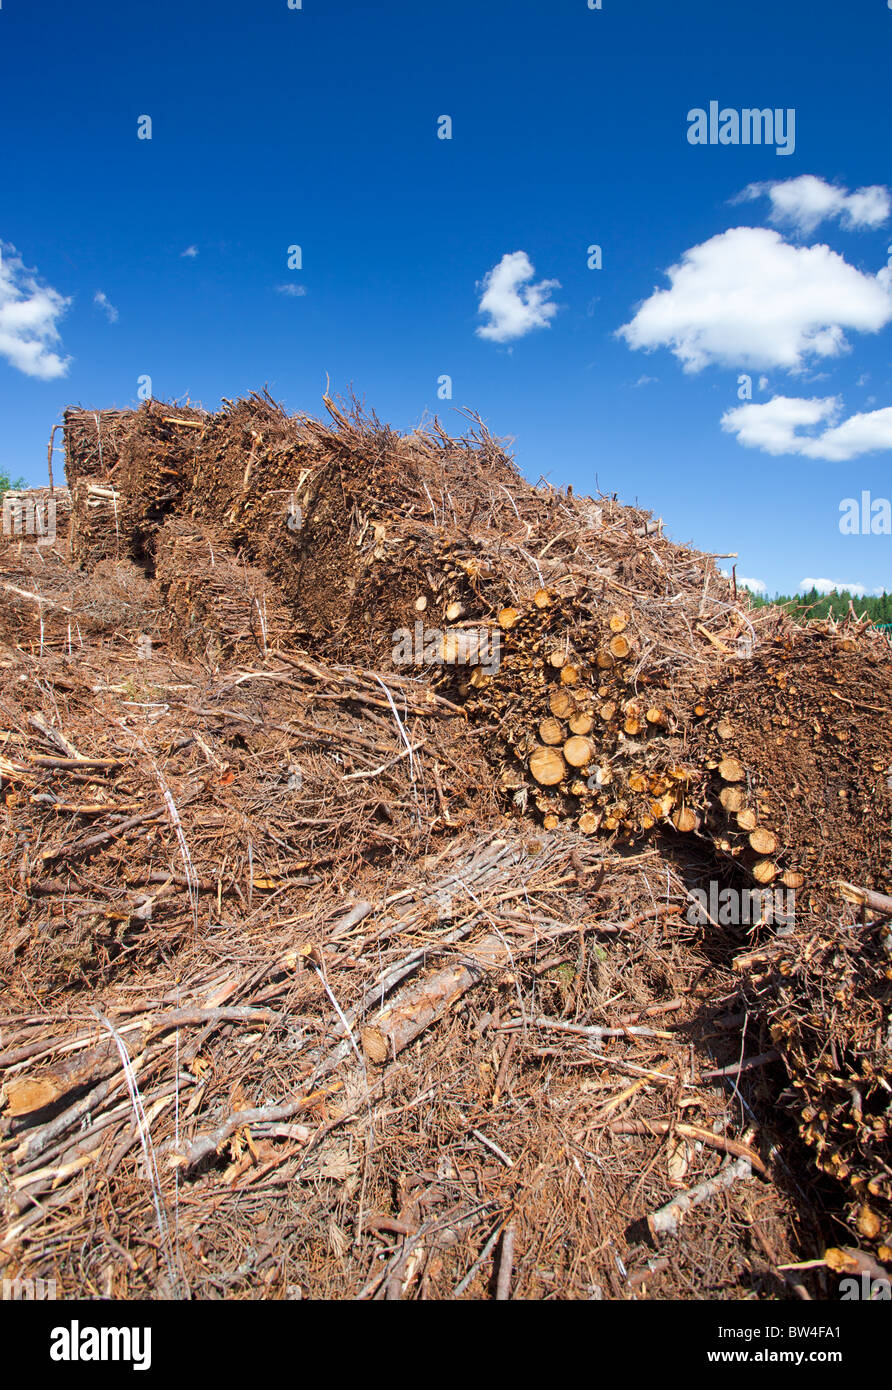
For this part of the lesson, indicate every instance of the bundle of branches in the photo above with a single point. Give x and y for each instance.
(827, 999)
(385, 1101)
(98, 522)
(126, 469)
(93, 440)
(155, 456)
(214, 604)
(313, 500)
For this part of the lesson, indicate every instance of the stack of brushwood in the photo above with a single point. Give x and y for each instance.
(93, 441)
(93, 444)
(38, 515)
(214, 604)
(125, 470)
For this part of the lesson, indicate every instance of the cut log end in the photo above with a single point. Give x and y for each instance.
(578, 752)
(763, 841)
(561, 704)
(733, 799)
(547, 766)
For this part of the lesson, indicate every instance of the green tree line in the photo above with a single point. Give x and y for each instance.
(814, 605)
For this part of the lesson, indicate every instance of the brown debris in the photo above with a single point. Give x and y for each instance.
(379, 975)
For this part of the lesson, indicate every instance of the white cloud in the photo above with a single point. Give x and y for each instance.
(774, 427)
(646, 381)
(29, 315)
(191, 252)
(805, 202)
(101, 299)
(514, 306)
(827, 586)
(863, 433)
(763, 383)
(748, 298)
(294, 291)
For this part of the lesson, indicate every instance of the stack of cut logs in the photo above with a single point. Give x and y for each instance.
(740, 821)
(589, 743)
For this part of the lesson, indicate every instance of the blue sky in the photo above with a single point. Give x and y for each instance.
(318, 127)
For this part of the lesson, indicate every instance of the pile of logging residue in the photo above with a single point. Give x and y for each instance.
(487, 899)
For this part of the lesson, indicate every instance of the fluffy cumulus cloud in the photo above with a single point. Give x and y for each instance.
(827, 586)
(805, 202)
(190, 253)
(747, 298)
(102, 301)
(513, 304)
(782, 425)
(29, 316)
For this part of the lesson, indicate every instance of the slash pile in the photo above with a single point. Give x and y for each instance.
(355, 788)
